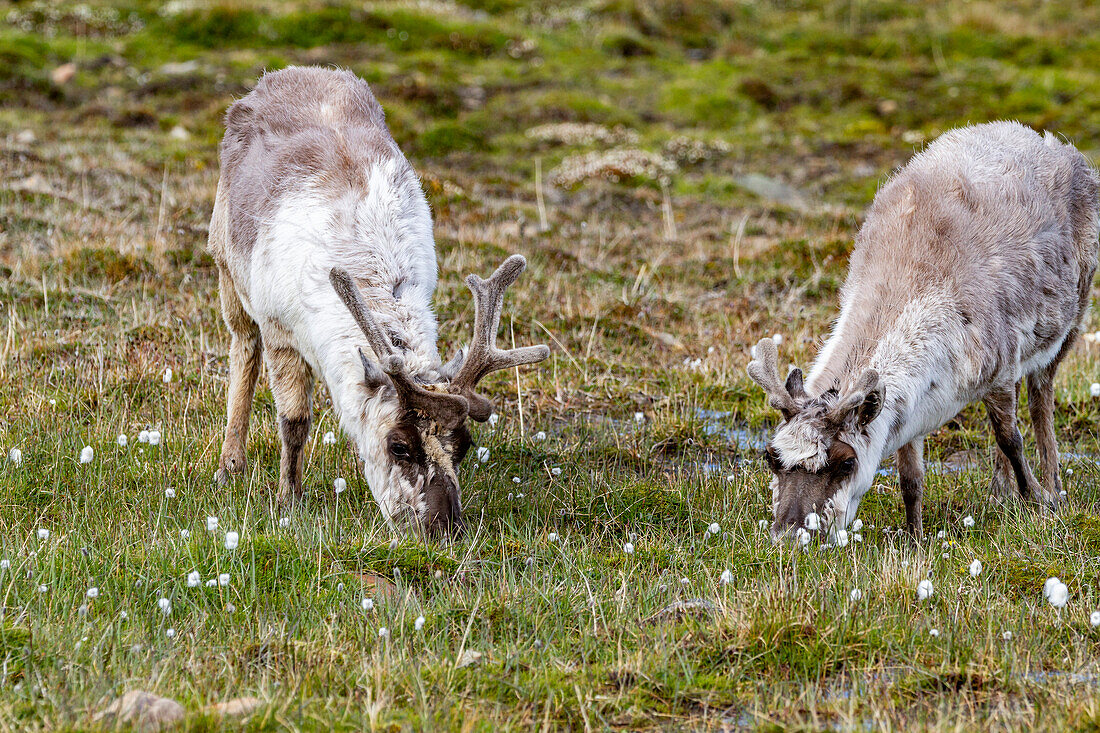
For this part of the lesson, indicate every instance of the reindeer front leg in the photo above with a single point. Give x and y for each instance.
(244, 370)
(910, 459)
(292, 385)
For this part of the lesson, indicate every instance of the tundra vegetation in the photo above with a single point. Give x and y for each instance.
(703, 167)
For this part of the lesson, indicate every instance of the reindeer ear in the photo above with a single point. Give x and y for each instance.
(372, 375)
(871, 405)
(861, 401)
(794, 385)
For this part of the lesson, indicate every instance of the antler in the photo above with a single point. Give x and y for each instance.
(446, 409)
(482, 356)
(764, 370)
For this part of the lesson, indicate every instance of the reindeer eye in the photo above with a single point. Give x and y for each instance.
(848, 465)
(400, 451)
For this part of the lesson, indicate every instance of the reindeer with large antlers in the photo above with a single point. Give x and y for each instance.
(971, 272)
(326, 262)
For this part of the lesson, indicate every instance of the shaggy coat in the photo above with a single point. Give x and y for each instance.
(971, 272)
(323, 241)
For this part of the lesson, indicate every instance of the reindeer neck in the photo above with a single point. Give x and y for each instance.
(920, 392)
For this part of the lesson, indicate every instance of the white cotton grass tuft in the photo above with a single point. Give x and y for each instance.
(812, 522)
(639, 417)
(15, 456)
(185, 533)
(855, 595)
(194, 579)
(87, 454)
(482, 454)
(762, 524)
(5, 564)
(42, 588)
(43, 534)
(329, 438)
(1059, 595)
(925, 589)
(164, 605)
(1094, 389)
(367, 604)
(714, 528)
(154, 437)
(284, 522)
(976, 568)
(232, 539)
(553, 536)
(802, 536)
(628, 548)
(223, 579)
(211, 524)
(212, 583)
(968, 521)
(383, 632)
(419, 623)
(494, 419)
(1007, 636)
(143, 436)
(777, 338)
(726, 577)
(555, 471)
(934, 632)
(540, 435)
(122, 440)
(1049, 585)
(170, 633)
(857, 525)
(1094, 619)
(92, 592)
(339, 485)
(167, 376)
(169, 493)
(841, 538)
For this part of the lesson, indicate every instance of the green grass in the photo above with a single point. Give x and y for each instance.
(104, 283)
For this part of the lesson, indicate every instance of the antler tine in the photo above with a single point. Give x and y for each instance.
(446, 409)
(483, 357)
(764, 370)
(379, 342)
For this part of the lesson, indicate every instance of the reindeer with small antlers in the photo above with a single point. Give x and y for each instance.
(326, 262)
(971, 272)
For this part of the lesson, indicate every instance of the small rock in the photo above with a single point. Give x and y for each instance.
(238, 707)
(966, 460)
(468, 658)
(773, 189)
(144, 710)
(63, 74)
(692, 607)
(179, 68)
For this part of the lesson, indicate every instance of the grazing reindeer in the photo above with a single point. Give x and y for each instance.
(972, 271)
(326, 262)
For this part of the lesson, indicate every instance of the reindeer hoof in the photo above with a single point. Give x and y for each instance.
(227, 467)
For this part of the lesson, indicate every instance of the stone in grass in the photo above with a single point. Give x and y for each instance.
(468, 659)
(142, 710)
(690, 608)
(238, 707)
(145, 711)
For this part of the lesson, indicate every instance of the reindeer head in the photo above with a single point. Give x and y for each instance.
(815, 453)
(418, 431)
